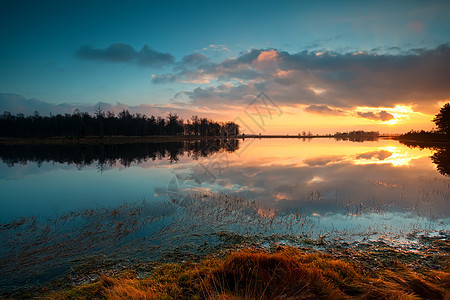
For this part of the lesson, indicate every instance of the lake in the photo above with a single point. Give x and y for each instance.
(142, 202)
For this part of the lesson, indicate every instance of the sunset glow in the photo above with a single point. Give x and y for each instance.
(324, 81)
(278, 149)
(293, 153)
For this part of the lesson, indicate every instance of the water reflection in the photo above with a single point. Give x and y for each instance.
(348, 179)
(442, 160)
(320, 177)
(191, 194)
(110, 155)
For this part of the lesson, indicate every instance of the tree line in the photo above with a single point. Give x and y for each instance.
(357, 136)
(102, 123)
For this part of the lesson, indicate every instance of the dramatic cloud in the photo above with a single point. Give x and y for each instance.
(126, 54)
(324, 109)
(381, 116)
(416, 77)
(380, 155)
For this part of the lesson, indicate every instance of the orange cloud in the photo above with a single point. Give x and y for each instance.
(284, 74)
(268, 55)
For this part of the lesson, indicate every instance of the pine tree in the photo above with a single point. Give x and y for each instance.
(442, 119)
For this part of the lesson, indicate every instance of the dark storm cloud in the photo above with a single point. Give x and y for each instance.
(324, 110)
(381, 116)
(126, 54)
(357, 78)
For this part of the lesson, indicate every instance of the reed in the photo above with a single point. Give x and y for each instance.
(287, 273)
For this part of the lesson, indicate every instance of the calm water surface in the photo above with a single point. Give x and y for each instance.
(136, 201)
(319, 177)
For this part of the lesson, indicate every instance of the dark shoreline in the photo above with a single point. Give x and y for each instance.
(110, 140)
(423, 142)
(426, 141)
(146, 139)
(113, 140)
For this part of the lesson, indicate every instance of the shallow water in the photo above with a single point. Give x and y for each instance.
(59, 205)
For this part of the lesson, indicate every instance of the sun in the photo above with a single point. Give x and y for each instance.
(400, 113)
(392, 122)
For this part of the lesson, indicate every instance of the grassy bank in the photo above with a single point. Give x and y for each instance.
(283, 273)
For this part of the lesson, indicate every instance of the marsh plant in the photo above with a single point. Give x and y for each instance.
(37, 250)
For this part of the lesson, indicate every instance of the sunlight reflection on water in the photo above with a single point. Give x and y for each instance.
(55, 213)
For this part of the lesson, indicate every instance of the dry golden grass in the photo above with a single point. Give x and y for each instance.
(285, 274)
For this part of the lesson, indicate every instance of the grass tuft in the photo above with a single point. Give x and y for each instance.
(287, 273)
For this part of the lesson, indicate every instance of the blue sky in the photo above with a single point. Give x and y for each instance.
(60, 51)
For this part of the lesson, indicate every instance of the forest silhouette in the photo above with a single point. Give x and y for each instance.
(102, 123)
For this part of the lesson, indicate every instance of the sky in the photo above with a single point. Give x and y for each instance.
(274, 67)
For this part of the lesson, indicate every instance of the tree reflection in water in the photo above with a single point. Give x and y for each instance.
(105, 155)
(442, 160)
